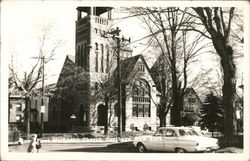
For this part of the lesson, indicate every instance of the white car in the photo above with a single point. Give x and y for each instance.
(175, 139)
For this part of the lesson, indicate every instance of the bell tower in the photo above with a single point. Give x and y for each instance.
(92, 53)
(92, 50)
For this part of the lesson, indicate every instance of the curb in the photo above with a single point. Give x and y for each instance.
(80, 141)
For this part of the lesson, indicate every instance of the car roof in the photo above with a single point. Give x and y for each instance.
(175, 127)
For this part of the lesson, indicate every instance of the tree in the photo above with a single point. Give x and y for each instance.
(212, 113)
(169, 28)
(29, 80)
(218, 25)
(160, 73)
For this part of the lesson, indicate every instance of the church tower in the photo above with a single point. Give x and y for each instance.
(92, 51)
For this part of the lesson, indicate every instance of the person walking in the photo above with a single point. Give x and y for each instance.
(38, 145)
(33, 143)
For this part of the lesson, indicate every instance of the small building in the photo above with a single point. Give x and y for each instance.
(16, 108)
(192, 104)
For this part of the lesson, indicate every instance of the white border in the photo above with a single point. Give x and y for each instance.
(132, 156)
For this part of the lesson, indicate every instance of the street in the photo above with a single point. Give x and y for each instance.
(125, 147)
(76, 147)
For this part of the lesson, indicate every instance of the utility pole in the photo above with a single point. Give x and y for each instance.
(116, 35)
(42, 103)
(42, 110)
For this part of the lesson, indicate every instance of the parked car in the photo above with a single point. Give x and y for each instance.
(15, 135)
(175, 139)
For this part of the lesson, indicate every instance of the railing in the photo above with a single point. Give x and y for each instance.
(141, 99)
(95, 19)
(100, 20)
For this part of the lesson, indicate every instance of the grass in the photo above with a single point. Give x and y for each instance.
(94, 135)
(237, 141)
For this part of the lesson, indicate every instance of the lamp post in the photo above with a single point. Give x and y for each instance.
(72, 118)
(42, 103)
(42, 112)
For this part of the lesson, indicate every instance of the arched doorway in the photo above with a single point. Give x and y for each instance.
(102, 115)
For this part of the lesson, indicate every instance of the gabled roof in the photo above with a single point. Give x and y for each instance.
(127, 65)
(157, 69)
(189, 90)
(68, 63)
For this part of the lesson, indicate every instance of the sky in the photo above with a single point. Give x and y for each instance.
(22, 21)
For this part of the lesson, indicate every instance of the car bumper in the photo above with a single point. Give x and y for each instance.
(207, 149)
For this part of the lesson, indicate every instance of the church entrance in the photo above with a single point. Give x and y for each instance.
(102, 115)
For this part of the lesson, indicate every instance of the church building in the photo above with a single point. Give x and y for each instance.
(96, 59)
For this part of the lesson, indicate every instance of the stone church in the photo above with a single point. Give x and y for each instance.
(95, 55)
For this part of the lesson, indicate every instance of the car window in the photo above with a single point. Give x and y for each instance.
(159, 132)
(170, 133)
(184, 132)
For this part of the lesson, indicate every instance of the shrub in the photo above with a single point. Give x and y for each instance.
(132, 127)
(145, 127)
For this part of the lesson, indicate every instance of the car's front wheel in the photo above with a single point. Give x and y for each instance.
(179, 150)
(141, 148)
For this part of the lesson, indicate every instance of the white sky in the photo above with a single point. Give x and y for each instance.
(22, 19)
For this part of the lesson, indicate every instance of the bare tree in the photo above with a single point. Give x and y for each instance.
(218, 23)
(30, 80)
(169, 28)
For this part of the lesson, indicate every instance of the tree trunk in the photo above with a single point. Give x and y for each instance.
(106, 101)
(162, 117)
(174, 109)
(27, 105)
(228, 89)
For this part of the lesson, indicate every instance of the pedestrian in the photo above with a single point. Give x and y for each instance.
(32, 146)
(38, 145)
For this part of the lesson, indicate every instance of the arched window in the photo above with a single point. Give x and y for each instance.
(102, 59)
(96, 46)
(96, 62)
(107, 59)
(78, 55)
(82, 57)
(86, 56)
(141, 98)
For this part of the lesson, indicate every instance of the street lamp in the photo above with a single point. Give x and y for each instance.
(73, 117)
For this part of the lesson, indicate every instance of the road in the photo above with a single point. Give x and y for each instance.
(77, 147)
(95, 147)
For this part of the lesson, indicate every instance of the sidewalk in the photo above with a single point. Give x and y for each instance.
(230, 150)
(83, 140)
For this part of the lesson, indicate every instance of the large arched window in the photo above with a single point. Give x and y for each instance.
(141, 98)
(107, 59)
(102, 59)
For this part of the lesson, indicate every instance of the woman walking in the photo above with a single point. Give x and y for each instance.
(32, 146)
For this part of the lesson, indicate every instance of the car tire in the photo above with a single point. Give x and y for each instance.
(180, 150)
(141, 148)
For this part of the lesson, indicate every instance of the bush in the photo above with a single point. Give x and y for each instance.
(145, 127)
(132, 127)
